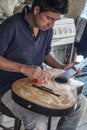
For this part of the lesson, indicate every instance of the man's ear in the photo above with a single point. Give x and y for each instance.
(36, 10)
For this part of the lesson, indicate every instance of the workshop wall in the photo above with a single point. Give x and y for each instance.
(75, 8)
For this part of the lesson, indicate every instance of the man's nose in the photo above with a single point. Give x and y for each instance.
(51, 24)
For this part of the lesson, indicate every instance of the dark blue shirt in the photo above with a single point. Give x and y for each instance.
(18, 43)
(82, 45)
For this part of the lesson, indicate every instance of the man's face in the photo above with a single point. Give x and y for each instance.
(45, 20)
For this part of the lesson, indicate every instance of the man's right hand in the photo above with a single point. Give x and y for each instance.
(35, 73)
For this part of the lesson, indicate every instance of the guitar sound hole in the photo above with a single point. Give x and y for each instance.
(60, 80)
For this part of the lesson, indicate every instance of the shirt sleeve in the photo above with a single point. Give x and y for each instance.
(6, 35)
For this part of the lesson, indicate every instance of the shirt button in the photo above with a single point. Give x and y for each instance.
(33, 34)
(29, 26)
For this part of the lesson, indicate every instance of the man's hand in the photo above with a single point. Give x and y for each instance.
(72, 64)
(35, 73)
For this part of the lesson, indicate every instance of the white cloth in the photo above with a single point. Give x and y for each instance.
(7, 6)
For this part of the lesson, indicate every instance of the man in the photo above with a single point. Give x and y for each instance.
(25, 43)
(80, 48)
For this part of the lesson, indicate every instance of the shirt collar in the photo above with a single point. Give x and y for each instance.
(25, 11)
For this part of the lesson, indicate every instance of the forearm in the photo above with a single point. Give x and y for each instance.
(11, 66)
(32, 72)
(52, 62)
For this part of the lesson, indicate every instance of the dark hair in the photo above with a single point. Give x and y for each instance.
(58, 6)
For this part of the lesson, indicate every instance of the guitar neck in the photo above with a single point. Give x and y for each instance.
(72, 71)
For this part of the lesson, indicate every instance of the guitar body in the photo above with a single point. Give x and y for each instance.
(60, 102)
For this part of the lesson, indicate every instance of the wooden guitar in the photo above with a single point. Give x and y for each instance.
(50, 99)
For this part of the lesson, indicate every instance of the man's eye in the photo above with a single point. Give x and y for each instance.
(50, 19)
